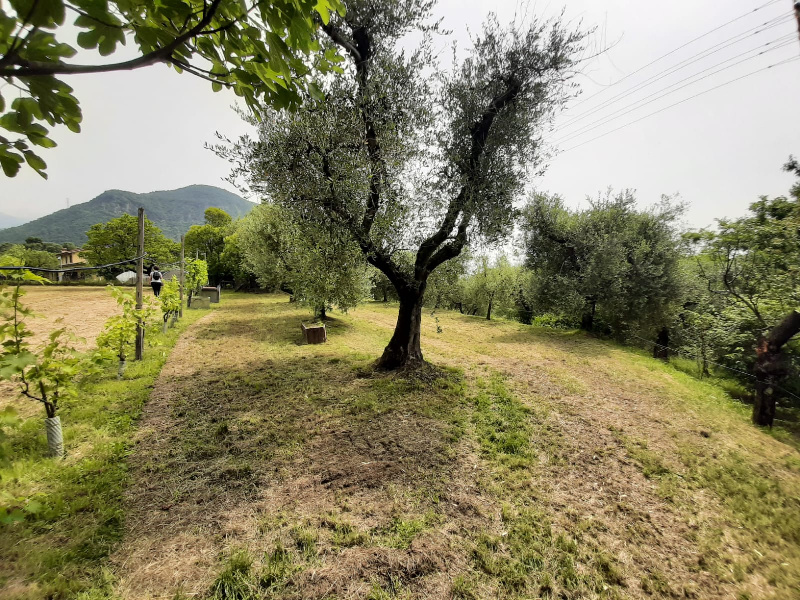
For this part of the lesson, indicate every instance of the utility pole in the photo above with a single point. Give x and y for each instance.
(183, 247)
(140, 288)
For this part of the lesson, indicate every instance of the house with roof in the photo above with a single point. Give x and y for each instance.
(69, 259)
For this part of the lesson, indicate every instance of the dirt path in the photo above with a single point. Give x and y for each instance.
(335, 482)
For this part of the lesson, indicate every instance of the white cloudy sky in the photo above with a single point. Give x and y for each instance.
(145, 130)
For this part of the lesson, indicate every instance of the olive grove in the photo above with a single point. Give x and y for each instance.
(406, 155)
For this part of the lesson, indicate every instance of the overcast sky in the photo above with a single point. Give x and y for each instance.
(145, 130)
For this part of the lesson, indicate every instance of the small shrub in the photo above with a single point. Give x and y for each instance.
(234, 582)
(553, 321)
(277, 569)
(305, 540)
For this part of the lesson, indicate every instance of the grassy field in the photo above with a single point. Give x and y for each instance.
(60, 519)
(530, 463)
(81, 310)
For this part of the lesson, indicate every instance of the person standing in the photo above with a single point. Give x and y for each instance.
(156, 280)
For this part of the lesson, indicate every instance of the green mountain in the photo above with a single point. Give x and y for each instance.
(174, 211)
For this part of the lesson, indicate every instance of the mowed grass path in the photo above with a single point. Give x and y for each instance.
(534, 464)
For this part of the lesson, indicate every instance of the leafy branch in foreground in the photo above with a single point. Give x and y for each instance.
(262, 50)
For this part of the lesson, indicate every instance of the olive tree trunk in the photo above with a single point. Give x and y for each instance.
(587, 320)
(771, 367)
(661, 347)
(404, 348)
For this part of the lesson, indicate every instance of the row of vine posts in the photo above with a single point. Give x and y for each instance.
(52, 373)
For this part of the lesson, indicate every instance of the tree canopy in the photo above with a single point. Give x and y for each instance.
(749, 270)
(117, 241)
(208, 241)
(320, 267)
(609, 267)
(32, 258)
(262, 50)
(403, 154)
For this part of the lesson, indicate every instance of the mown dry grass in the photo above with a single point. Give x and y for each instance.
(60, 518)
(536, 464)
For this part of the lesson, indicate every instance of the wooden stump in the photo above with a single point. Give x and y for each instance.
(198, 302)
(316, 334)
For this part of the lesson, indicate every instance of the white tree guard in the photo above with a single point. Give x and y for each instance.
(55, 439)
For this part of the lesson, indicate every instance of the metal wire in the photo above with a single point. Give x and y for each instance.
(745, 373)
(43, 270)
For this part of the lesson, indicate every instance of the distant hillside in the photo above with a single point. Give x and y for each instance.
(9, 221)
(173, 211)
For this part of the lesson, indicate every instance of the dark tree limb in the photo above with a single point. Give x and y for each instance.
(27, 68)
(479, 132)
(770, 367)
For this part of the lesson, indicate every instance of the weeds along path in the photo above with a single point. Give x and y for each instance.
(537, 464)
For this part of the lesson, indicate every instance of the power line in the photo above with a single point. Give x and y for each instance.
(682, 65)
(670, 53)
(779, 43)
(43, 270)
(681, 102)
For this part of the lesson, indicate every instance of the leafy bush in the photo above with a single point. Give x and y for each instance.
(554, 321)
(170, 299)
(119, 332)
(195, 276)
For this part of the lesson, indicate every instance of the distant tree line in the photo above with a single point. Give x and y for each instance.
(706, 298)
(34, 253)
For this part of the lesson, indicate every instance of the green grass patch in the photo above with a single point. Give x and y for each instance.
(529, 557)
(72, 508)
(400, 532)
(767, 512)
(650, 462)
(502, 425)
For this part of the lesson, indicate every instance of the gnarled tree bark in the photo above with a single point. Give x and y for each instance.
(404, 350)
(771, 367)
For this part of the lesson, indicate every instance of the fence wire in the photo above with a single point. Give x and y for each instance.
(73, 269)
(716, 364)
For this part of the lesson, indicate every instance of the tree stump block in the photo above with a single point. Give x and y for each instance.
(315, 334)
(200, 302)
(210, 292)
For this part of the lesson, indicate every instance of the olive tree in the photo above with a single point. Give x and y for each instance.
(321, 267)
(611, 267)
(406, 155)
(752, 266)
